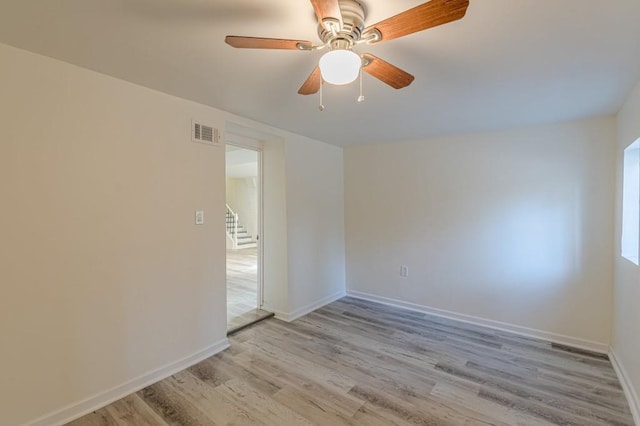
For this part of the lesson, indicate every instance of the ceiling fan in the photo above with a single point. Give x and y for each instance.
(341, 27)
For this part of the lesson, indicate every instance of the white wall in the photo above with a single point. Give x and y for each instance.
(626, 321)
(104, 276)
(513, 227)
(274, 241)
(315, 211)
(242, 197)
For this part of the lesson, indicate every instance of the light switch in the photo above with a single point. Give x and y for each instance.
(199, 217)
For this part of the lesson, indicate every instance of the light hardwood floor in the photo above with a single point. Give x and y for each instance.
(242, 285)
(360, 363)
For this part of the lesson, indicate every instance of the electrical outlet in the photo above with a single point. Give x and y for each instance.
(199, 217)
(404, 271)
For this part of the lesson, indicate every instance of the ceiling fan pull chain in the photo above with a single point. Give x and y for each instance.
(361, 97)
(321, 106)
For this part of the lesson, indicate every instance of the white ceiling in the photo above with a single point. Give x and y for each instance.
(507, 63)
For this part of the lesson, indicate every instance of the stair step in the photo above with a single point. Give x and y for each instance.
(240, 229)
(242, 236)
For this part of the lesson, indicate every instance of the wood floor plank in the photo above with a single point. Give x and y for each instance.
(209, 400)
(589, 401)
(268, 409)
(427, 412)
(361, 363)
(132, 410)
(312, 408)
(369, 415)
(332, 399)
(567, 404)
(100, 417)
(365, 368)
(172, 406)
(467, 396)
(228, 362)
(242, 285)
(312, 371)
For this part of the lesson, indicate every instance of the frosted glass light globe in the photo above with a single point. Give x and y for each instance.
(340, 66)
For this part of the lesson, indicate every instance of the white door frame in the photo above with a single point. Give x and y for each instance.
(253, 145)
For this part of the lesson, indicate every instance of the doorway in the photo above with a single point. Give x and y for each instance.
(243, 230)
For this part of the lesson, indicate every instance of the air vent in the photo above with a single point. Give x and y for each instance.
(204, 133)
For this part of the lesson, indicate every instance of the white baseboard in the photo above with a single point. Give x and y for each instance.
(497, 325)
(627, 386)
(292, 316)
(79, 409)
(278, 314)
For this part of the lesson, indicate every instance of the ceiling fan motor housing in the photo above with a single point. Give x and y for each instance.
(353, 17)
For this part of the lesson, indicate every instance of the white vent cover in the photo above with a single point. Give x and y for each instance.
(204, 133)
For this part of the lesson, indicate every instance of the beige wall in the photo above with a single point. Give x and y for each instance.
(315, 236)
(626, 323)
(242, 197)
(513, 227)
(274, 241)
(104, 276)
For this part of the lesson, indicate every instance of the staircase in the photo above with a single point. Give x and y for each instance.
(237, 233)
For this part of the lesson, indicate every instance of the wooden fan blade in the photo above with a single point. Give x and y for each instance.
(387, 73)
(264, 43)
(328, 10)
(312, 85)
(427, 15)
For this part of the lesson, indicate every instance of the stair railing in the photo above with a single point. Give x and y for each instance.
(232, 226)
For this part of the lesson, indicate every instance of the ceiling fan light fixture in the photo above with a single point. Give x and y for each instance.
(340, 66)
